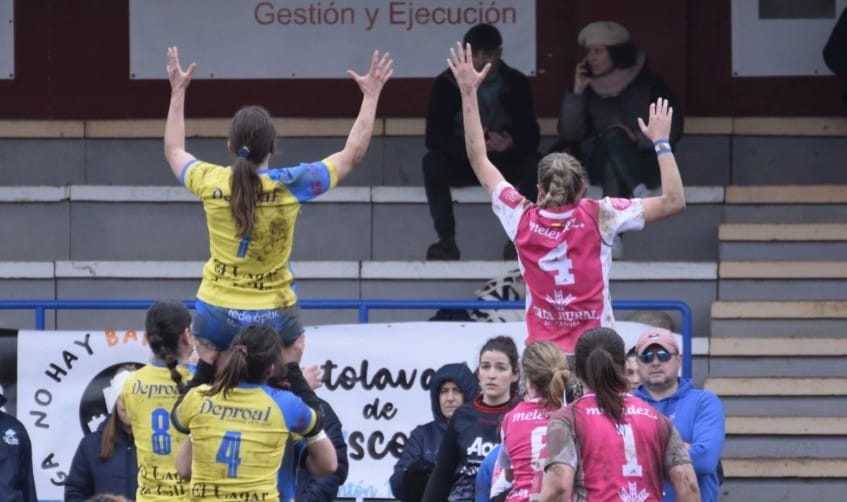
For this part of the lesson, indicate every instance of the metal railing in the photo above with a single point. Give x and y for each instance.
(40, 307)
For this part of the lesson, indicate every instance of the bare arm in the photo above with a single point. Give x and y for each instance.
(183, 459)
(175, 152)
(672, 200)
(684, 483)
(322, 459)
(461, 64)
(557, 484)
(371, 85)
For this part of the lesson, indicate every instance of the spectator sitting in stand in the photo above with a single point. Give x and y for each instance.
(612, 87)
(511, 137)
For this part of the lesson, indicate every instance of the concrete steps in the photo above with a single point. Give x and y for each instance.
(779, 336)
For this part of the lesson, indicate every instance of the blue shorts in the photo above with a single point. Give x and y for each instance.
(219, 325)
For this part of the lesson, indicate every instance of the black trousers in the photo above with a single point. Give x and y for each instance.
(616, 163)
(442, 171)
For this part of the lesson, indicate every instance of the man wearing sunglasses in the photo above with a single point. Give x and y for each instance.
(697, 414)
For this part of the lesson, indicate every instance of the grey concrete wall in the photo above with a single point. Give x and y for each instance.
(778, 328)
(802, 251)
(34, 231)
(805, 490)
(797, 290)
(780, 160)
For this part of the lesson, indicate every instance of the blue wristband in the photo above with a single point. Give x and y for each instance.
(662, 148)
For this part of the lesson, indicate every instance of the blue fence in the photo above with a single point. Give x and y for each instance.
(40, 307)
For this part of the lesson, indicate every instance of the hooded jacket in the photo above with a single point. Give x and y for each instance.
(16, 478)
(698, 416)
(421, 448)
(90, 476)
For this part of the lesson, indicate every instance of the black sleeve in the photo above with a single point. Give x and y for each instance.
(79, 485)
(441, 481)
(661, 90)
(835, 51)
(323, 488)
(300, 387)
(26, 475)
(524, 131)
(445, 104)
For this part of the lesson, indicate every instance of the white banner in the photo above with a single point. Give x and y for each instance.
(253, 39)
(376, 379)
(7, 39)
(777, 38)
(62, 377)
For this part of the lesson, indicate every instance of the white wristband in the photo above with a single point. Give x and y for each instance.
(317, 437)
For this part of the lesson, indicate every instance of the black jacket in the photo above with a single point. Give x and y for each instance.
(16, 478)
(421, 449)
(323, 488)
(444, 130)
(472, 434)
(90, 476)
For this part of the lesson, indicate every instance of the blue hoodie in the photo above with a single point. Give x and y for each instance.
(699, 418)
(422, 446)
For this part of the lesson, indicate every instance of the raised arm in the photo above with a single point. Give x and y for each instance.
(371, 85)
(175, 152)
(461, 64)
(658, 128)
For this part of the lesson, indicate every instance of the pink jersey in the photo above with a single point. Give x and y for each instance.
(624, 461)
(565, 254)
(524, 450)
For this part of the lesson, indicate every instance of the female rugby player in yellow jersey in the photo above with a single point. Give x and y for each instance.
(251, 209)
(148, 396)
(239, 425)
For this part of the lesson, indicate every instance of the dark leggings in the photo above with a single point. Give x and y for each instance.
(619, 166)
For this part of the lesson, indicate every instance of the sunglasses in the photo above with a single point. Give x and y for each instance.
(663, 355)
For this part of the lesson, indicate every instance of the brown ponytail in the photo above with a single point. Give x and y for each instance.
(251, 138)
(600, 360)
(165, 323)
(252, 353)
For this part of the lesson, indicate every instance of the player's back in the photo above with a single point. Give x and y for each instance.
(149, 394)
(238, 439)
(525, 440)
(618, 461)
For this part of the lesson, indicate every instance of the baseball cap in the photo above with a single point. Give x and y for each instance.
(657, 336)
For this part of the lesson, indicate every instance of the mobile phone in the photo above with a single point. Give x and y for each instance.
(585, 69)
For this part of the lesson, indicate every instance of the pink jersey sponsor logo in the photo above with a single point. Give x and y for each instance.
(620, 204)
(510, 197)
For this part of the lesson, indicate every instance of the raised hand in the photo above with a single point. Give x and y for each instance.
(378, 74)
(179, 78)
(659, 122)
(461, 64)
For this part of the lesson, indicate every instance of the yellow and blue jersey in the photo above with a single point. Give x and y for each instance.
(149, 394)
(238, 441)
(252, 273)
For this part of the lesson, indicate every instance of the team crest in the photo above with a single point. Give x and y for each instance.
(10, 437)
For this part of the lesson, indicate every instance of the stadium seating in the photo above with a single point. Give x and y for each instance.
(759, 255)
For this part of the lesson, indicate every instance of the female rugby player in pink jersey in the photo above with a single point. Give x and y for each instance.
(564, 241)
(524, 429)
(610, 445)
